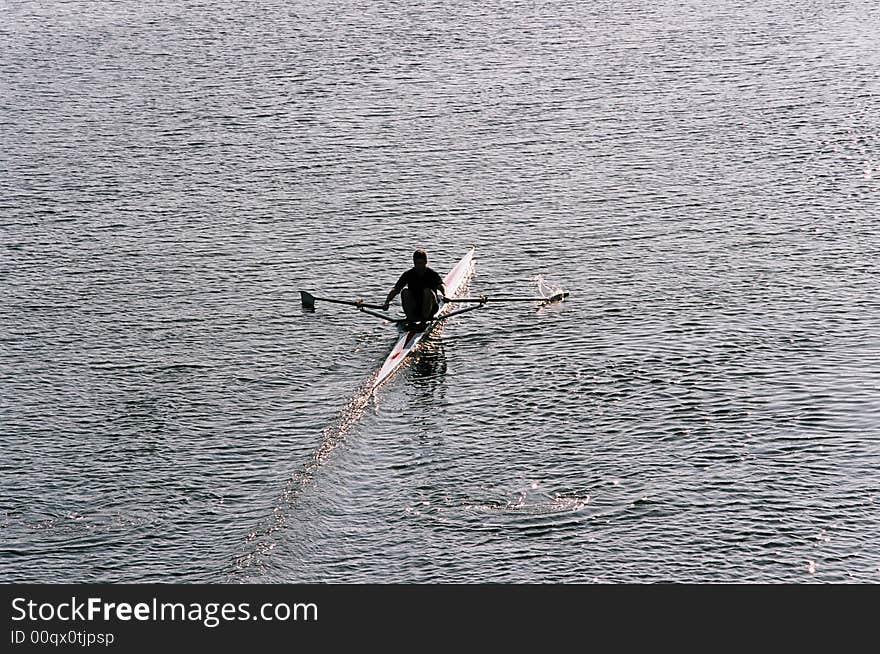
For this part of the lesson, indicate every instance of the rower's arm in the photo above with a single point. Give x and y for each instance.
(391, 295)
(398, 287)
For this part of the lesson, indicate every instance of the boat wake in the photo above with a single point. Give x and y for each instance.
(261, 542)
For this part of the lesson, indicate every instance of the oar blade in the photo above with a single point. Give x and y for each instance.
(308, 300)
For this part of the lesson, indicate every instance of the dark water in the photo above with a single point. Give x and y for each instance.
(704, 178)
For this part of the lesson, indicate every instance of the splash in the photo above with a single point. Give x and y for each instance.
(547, 289)
(558, 503)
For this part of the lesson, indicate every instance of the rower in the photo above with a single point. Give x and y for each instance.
(421, 290)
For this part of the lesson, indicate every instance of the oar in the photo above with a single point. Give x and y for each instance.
(308, 301)
(483, 299)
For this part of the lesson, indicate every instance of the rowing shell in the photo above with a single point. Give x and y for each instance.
(454, 283)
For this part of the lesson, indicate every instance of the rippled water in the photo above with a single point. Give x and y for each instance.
(704, 178)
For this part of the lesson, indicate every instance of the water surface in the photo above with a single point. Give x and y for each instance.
(702, 177)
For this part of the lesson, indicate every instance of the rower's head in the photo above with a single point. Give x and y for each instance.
(420, 259)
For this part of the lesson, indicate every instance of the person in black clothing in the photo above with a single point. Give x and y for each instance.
(419, 297)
